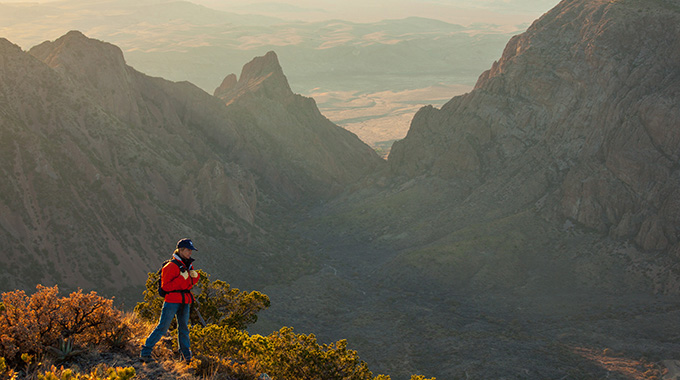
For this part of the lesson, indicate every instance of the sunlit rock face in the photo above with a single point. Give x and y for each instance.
(580, 115)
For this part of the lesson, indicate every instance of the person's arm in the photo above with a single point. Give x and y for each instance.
(171, 279)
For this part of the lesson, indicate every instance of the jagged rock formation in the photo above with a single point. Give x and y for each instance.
(579, 115)
(104, 168)
(319, 156)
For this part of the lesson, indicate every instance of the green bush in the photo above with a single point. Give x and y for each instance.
(217, 302)
(218, 341)
(283, 354)
(223, 305)
(287, 355)
(150, 308)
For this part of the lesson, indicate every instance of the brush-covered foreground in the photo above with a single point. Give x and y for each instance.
(83, 336)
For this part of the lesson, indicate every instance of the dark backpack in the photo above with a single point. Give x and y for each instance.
(162, 292)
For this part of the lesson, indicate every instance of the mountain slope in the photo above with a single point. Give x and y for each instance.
(92, 195)
(106, 168)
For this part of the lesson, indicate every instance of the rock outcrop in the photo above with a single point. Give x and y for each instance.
(320, 158)
(580, 115)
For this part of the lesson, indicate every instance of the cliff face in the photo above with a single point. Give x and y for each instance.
(579, 117)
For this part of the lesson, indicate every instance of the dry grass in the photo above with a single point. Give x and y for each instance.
(97, 359)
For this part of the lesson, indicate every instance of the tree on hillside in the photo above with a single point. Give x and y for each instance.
(217, 302)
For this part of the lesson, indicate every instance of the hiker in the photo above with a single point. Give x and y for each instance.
(177, 278)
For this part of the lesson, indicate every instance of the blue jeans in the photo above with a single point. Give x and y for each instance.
(169, 311)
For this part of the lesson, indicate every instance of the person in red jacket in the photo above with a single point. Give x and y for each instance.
(177, 278)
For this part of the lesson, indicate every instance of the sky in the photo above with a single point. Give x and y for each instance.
(463, 12)
(454, 11)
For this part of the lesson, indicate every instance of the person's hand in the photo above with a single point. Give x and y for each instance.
(184, 274)
(193, 273)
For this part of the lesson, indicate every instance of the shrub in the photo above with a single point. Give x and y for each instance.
(223, 305)
(283, 355)
(30, 324)
(150, 308)
(100, 373)
(220, 341)
(286, 355)
(217, 301)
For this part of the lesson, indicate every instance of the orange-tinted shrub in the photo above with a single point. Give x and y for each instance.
(29, 324)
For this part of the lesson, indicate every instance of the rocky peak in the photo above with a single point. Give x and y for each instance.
(96, 68)
(82, 58)
(263, 75)
(299, 151)
(227, 85)
(264, 67)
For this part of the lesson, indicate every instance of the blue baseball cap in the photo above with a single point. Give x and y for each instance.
(186, 243)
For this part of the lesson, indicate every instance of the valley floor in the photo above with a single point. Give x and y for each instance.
(461, 333)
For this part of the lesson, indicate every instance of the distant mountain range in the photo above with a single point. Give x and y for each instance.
(383, 71)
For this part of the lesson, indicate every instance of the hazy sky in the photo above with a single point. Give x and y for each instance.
(464, 12)
(455, 11)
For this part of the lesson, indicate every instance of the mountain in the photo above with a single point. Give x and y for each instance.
(107, 167)
(320, 157)
(584, 112)
(524, 227)
(367, 77)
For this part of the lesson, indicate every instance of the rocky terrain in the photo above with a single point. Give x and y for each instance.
(524, 230)
(301, 144)
(106, 167)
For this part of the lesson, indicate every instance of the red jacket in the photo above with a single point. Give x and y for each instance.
(171, 281)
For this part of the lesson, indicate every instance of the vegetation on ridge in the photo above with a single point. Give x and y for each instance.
(79, 331)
